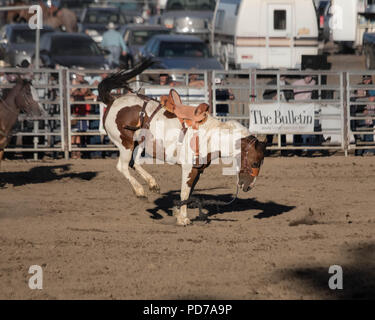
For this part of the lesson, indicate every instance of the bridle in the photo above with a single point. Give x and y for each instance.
(26, 98)
(253, 168)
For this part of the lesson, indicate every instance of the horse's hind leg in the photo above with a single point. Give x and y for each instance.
(123, 167)
(152, 184)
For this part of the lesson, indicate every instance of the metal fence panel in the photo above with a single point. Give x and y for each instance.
(360, 101)
(334, 94)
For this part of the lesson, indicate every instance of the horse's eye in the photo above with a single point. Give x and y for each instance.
(255, 165)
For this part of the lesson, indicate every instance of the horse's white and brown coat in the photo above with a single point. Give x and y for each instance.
(125, 110)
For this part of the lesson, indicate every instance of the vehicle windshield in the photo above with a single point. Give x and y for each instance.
(140, 37)
(190, 5)
(103, 17)
(25, 36)
(183, 49)
(83, 47)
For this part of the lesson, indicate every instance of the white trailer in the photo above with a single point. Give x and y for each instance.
(349, 20)
(264, 33)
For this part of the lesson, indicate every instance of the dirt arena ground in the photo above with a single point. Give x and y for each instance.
(79, 220)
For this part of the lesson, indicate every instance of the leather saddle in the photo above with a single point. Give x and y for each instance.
(188, 115)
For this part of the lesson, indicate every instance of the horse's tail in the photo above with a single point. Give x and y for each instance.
(119, 80)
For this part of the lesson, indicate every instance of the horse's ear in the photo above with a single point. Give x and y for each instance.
(251, 139)
(262, 139)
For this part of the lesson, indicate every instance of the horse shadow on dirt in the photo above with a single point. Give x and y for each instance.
(42, 174)
(168, 201)
(358, 275)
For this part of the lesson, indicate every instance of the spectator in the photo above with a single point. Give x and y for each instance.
(79, 110)
(285, 95)
(222, 109)
(194, 80)
(303, 94)
(164, 79)
(365, 109)
(98, 124)
(369, 124)
(113, 41)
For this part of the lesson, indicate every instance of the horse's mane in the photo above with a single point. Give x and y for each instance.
(229, 125)
(119, 80)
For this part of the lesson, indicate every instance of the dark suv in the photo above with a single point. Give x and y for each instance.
(71, 50)
(17, 43)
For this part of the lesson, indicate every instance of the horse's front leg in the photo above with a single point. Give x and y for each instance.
(189, 179)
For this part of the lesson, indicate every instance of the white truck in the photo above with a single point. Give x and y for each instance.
(348, 21)
(264, 33)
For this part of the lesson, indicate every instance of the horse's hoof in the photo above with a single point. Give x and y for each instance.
(183, 221)
(155, 188)
(142, 197)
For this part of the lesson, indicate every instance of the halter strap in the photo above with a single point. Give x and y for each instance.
(254, 171)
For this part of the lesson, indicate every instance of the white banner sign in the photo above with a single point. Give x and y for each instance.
(282, 117)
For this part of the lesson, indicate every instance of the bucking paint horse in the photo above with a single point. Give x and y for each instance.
(168, 131)
(22, 97)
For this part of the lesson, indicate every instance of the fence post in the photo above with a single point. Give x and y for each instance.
(345, 111)
(65, 107)
(212, 108)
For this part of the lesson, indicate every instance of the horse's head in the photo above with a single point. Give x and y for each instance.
(27, 98)
(252, 155)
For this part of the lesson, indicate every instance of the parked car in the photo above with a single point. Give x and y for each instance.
(94, 21)
(180, 52)
(57, 49)
(17, 43)
(136, 35)
(135, 11)
(189, 17)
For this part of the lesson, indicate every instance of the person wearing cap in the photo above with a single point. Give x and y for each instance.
(80, 94)
(113, 41)
(222, 94)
